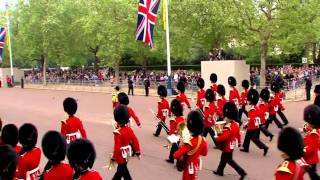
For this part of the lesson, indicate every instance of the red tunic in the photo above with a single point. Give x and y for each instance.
(193, 160)
(243, 98)
(230, 137)
(311, 145)
(174, 124)
(273, 106)
(290, 170)
(60, 171)
(281, 95)
(183, 100)
(201, 100)
(234, 96)
(163, 109)
(72, 129)
(221, 101)
(133, 115)
(28, 165)
(214, 87)
(122, 150)
(253, 118)
(90, 175)
(210, 115)
(264, 111)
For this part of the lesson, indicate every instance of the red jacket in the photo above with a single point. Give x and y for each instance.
(230, 137)
(163, 109)
(28, 165)
(210, 112)
(90, 175)
(133, 115)
(221, 101)
(72, 129)
(273, 106)
(234, 96)
(183, 100)
(122, 137)
(311, 146)
(281, 95)
(264, 111)
(60, 171)
(214, 87)
(254, 118)
(192, 166)
(174, 124)
(201, 100)
(290, 170)
(243, 98)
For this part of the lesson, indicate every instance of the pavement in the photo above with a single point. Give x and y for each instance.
(44, 109)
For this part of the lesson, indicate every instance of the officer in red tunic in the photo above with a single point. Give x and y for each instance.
(230, 137)
(54, 148)
(122, 149)
(243, 98)
(201, 100)
(194, 148)
(312, 139)
(181, 96)
(221, 100)
(290, 143)
(72, 127)
(124, 100)
(10, 136)
(81, 156)
(8, 163)
(210, 115)
(278, 96)
(264, 112)
(253, 124)
(175, 123)
(234, 93)
(163, 108)
(214, 79)
(30, 155)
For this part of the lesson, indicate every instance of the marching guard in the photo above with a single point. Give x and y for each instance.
(72, 128)
(273, 108)
(194, 148)
(181, 96)
(201, 100)
(221, 100)
(8, 163)
(278, 95)
(214, 79)
(253, 124)
(163, 108)
(264, 112)
(115, 101)
(124, 100)
(10, 136)
(231, 138)
(210, 115)
(234, 93)
(243, 98)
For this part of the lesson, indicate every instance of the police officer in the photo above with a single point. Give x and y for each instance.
(147, 85)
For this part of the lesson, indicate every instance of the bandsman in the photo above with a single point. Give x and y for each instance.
(210, 115)
(163, 108)
(201, 100)
(221, 100)
(243, 98)
(264, 112)
(234, 93)
(278, 96)
(181, 96)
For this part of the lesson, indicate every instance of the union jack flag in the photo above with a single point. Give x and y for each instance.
(146, 21)
(2, 38)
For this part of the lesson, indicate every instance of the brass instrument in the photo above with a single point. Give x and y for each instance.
(218, 127)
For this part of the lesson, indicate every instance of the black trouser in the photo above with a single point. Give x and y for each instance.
(122, 171)
(313, 172)
(308, 94)
(130, 90)
(147, 90)
(242, 110)
(265, 131)
(283, 117)
(226, 158)
(158, 130)
(212, 134)
(174, 148)
(273, 117)
(253, 135)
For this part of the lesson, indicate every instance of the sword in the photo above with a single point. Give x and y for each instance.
(163, 124)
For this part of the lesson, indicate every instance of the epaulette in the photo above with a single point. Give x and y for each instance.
(314, 131)
(116, 131)
(284, 167)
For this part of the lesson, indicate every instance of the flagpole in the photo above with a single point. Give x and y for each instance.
(169, 85)
(10, 47)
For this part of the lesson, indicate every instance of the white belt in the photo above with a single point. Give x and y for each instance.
(33, 174)
(126, 152)
(71, 135)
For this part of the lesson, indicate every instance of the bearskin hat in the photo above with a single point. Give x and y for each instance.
(176, 108)
(213, 78)
(121, 114)
(209, 95)
(8, 163)
(221, 90)
(245, 84)
(28, 135)
(230, 111)
(81, 153)
(54, 146)
(195, 123)
(265, 94)
(317, 89)
(162, 91)
(253, 96)
(275, 87)
(123, 98)
(317, 101)
(200, 83)
(181, 87)
(311, 115)
(232, 81)
(117, 88)
(10, 135)
(0, 124)
(70, 106)
(290, 142)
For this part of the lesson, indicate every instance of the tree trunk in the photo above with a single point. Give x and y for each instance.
(44, 68)
(116, 70)
(145, 63)
(314, 52)
(263, 60)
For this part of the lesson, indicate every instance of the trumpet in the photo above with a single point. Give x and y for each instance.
(218, 127)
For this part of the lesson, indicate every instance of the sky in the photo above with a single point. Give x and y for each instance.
(3, 3)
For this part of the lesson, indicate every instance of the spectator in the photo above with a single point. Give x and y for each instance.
(130, 86)
(147, 85)
(308, 88)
